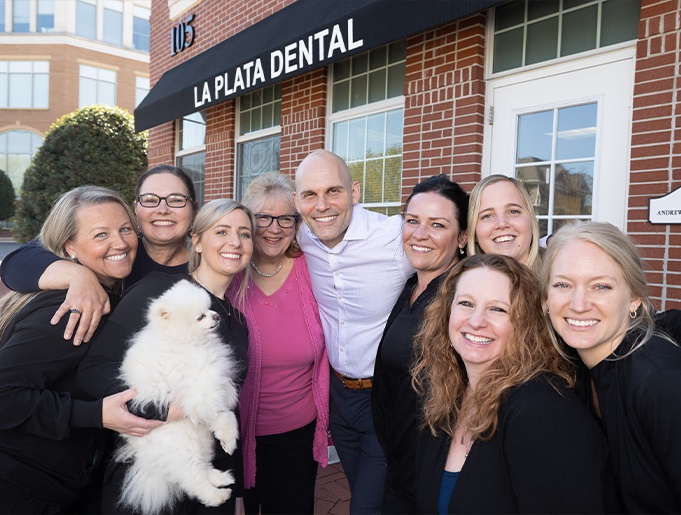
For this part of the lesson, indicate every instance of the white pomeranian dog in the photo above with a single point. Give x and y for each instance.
(178, 358)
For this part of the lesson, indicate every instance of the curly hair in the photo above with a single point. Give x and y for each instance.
(439, 375)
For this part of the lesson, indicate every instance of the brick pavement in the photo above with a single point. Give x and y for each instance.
(332, 493)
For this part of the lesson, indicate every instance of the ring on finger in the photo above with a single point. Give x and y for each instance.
(76, 311)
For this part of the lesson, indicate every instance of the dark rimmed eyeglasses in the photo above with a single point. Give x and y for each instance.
(174, 200)
(284, 221)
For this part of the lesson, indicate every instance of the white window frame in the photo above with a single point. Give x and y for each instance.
(114, 6)
(142, 13)
(489, 52)
(180, 153)
(138, 89)
(611, 211)
(245, 138)
(372, 108)
(33, 150)
(98, 19)
(33, 74)
(99, 80)
(360, 112)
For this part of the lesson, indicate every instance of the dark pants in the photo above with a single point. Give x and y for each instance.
(396, 503)
(352, 430)
(17, 500)
(285, 474)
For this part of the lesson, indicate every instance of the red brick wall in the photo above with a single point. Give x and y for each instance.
(303, 116)
(444, 103)
(656, 146)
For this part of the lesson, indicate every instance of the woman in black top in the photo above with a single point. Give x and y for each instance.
(503, 432)
(222, 246)
(165, 204)
(433, 236)
(51, 441)
(595, 296)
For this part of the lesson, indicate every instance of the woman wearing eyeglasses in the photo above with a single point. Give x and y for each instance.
(165, 206)
(284, 400)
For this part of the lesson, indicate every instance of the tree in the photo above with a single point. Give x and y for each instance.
(7, 197)
(93, 145)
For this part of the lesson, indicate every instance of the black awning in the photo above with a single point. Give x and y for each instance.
(305, 35)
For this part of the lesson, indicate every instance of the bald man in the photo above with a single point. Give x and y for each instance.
(358, 269)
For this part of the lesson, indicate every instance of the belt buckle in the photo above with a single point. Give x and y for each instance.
(346, 385)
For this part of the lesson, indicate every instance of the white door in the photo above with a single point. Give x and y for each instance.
(564, 131)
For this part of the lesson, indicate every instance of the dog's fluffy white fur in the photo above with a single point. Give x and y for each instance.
(179, 358)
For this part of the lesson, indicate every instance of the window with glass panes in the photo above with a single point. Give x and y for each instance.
(191, 156)
(367, 121)
(259, 138)
(97, 86)
(45, 16)
(86, 19)
(527, 32)
(2, 16)
(112, 18)
(21, 15)
(141, 89)
(140, 28)
(24, 84)
(16, 151)
(555, 161)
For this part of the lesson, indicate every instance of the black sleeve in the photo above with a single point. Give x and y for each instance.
(658, 406)
(670, 323)
(98, 373)
(556, 454)
(21, 269)
(36, 368)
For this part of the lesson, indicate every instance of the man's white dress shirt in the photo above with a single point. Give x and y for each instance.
(356, 284)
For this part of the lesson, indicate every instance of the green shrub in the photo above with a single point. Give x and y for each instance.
(7, 197)
(93, 145)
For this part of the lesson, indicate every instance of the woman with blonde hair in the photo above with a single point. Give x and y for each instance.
(596, 299)
(501, 220)
(51, 443)
(221, 249)
(496, 391)
(165, 207)
(285, 398)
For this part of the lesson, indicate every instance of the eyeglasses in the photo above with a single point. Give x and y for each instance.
(284, 221)
(174, 200)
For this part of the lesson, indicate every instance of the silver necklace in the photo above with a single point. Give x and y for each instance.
(263, 273)
(196, 280)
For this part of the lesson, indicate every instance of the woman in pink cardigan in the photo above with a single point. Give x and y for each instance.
(284, 400)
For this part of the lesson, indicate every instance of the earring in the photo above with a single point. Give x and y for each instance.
(462, 253)
(73, 256)
(632, 314)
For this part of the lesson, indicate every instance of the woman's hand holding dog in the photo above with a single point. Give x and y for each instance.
(115, 415)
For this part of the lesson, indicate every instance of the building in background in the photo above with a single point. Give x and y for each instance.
(59, 55)
(576, 98)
